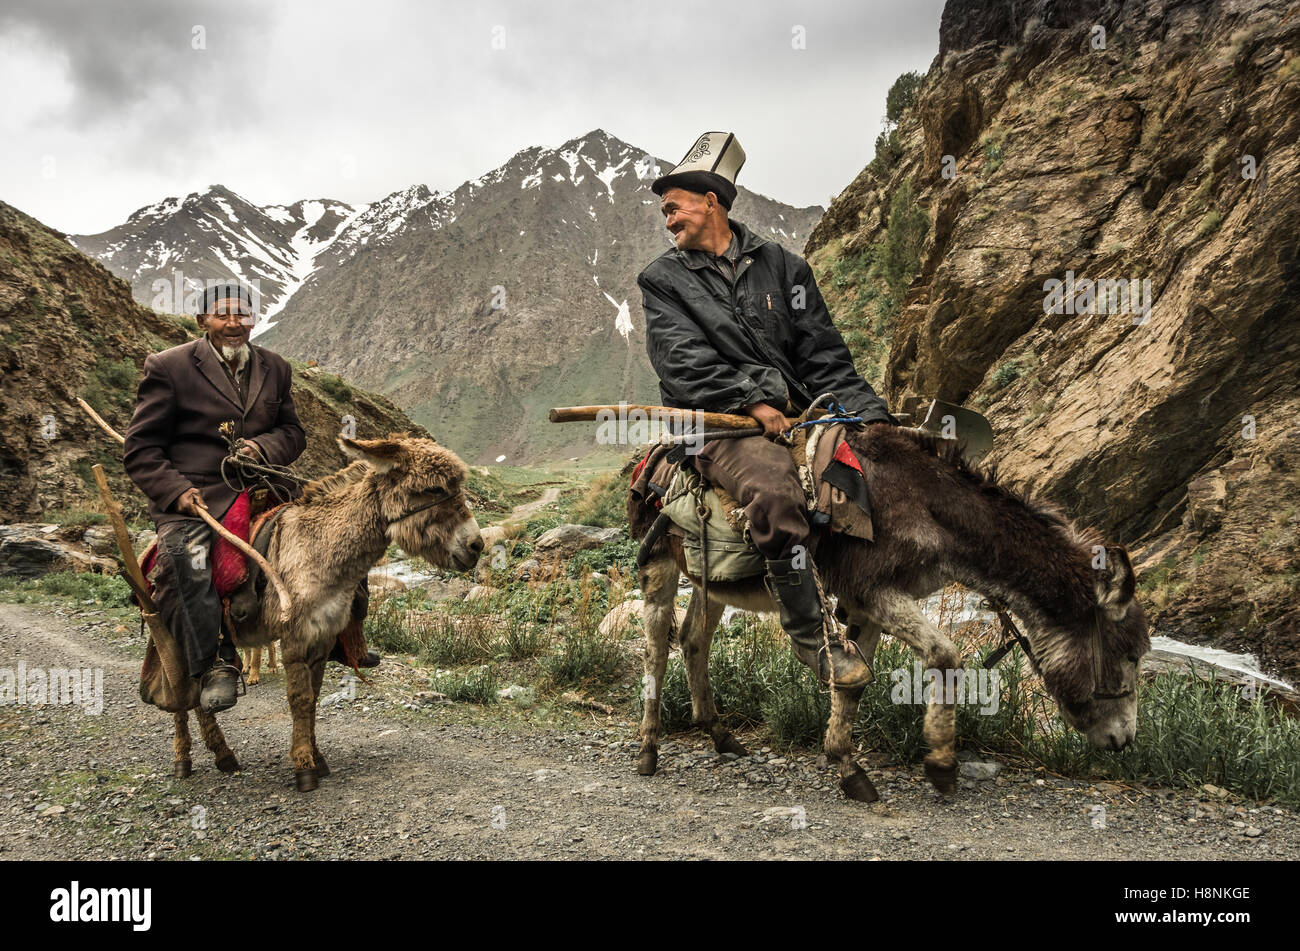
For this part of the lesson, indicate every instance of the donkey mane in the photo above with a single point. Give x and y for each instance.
(985, 478)
(319, 488)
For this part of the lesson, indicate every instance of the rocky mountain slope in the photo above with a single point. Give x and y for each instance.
(475, 309)
(69, 328)
(1080, 141)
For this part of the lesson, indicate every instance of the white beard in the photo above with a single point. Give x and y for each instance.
(235, 356)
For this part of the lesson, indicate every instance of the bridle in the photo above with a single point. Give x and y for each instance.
(1014, 637)
(446, 497)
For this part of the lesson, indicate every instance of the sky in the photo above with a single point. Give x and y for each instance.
(110, 106)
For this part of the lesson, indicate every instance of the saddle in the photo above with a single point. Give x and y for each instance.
(835, 491)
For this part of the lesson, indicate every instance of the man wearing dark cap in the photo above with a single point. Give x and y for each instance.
(735, 324)
(174, 449)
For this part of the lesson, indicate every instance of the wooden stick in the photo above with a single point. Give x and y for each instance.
(591, 414)
(168, 652)
(272, 575)
(99, 419)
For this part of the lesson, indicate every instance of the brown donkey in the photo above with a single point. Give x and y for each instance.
(402, 490)
(936, 521)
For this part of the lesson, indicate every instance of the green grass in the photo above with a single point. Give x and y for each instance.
(1191, 729)
(583, 657)
(994, 144)
(111, 385)
(476, 685)
(620, 554)
(864, 289)
(1209, 224)
(74, 516)
(604, 503)
(109, 590)
(335, 386)
(523, 639)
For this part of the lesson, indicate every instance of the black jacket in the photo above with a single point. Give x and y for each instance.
(716, 347)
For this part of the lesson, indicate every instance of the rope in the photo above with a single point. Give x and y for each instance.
(702, 510)
(249, 472)
(829, 624)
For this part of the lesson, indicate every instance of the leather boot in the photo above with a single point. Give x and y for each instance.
(801, 616)
(219, 687)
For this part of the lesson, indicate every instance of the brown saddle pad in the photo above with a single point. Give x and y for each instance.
(838, 488)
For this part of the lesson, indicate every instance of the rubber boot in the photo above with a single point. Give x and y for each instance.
(801, 616)
(219, 687)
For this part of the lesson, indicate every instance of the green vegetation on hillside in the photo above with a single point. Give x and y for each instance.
(865, 291)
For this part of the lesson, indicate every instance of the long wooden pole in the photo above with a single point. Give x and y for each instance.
(168, 652)
(585, 414)
(272, 575)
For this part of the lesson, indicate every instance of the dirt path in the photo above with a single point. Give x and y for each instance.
(526, 510)
(419, 782)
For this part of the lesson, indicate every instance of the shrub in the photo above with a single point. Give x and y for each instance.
(453, 640)
(523, 639)
(1006, 374)
(900, 253)
(583, 656)
(889, 149)
(336, 387)
(901, 95)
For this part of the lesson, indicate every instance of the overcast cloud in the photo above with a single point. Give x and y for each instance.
(110, 106)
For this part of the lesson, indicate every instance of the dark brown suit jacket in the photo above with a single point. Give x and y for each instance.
(173, 442)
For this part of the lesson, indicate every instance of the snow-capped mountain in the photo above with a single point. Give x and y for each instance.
(169, 249)
(474, 309)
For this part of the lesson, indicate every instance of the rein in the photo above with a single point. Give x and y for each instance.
(249, 472)
(1014, 637)
(423, 508)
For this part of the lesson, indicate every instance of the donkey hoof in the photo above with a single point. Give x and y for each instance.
(228, 763)
(307, 779)
(859, 788)
(648, 761)
(729, 744)
(182, 769)
(322, 770)
(944, 778)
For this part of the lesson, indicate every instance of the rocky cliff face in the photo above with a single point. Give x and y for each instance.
(1137, 153)
(69, 328)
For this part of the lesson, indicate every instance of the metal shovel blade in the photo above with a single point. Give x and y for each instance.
(971, 430)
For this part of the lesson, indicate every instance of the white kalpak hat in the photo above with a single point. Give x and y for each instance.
(711, 165)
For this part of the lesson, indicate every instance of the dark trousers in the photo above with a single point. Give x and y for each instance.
(186, 594)
(760, 475)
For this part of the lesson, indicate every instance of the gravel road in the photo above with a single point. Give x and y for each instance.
(415, 779)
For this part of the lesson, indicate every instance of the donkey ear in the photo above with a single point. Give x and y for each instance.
(1116, 582)
(381, 454)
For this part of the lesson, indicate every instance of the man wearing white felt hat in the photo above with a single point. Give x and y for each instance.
(735, 324)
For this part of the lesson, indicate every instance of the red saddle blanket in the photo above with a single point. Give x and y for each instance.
(229, 564)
